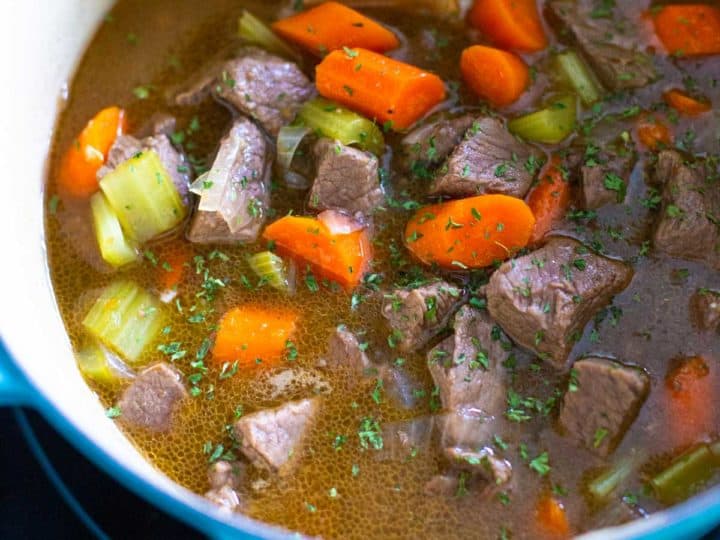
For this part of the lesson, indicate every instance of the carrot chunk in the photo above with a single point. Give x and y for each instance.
(689, 29)
(253, 335)
(379, 87)
(653, 133)
(499, 76)
(551, 517)
(684, 104)
(470, 233)
(510, 24)
(331, 26)
(172, 265)
(339, 257)
(689, 388)
(79, 166)
(550, 199)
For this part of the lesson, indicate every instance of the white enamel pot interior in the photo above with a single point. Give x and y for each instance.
(42, 40)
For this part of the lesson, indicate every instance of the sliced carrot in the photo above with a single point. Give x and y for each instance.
(342, 258)
(470, 233)
(331, 26)
(379, 87)
(690, 410)
(684, 104)
(88, 152)
(689, 29)
(172, 266)
(653, 133)
(551, 517)
(499, 76)
(510, 24)
(253, 335)
(550, 199)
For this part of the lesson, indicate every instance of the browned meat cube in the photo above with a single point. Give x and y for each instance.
(273, 438)
(152, 397)
(544, 299)
(347, 179)
(688, 224)
(429, 145)
(488, 160)
(602, 402)
(344, 350)
(235, 196)
(416, 315)
(705, 309)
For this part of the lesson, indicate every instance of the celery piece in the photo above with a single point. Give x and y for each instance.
(114, 247)
(602, 486)
(685, 475)
(253, 30)
(271, 269)
(549, 125)
(93, 364)
(143, 196)
(579, 75)
(329, 119)
(125, 318)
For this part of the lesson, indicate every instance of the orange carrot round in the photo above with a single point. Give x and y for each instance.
(253, 335)
(172, 266)
(550, 199)
(684, 104)
(342, 258)
(79, 166)
(510, 24)
(689, 29)
(499, 76)
(331, 26)
(470, 233)
(689, 387)
(379, 87)
(653, 133)
(551, 517)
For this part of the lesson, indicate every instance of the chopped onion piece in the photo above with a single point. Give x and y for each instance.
(218, 177)
(288, 141)
(339, 223)
(296, 180)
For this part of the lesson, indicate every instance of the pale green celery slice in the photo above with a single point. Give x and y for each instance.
(331, 120)
(685, 475)
(270, 268)
(93, 364)
(126, 319)
(143, 196)
(550, 125)
(114, 247)
(574, 69)
(253, 30)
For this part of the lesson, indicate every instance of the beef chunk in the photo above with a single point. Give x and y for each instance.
(705, 309)
(225, 497)
(159, 123)
(152, 397)
(488, 160)
(344, 350)
(603, 402)
(544, 300)
(224, 478)
(225, 473)
(688, 227)
(234, 206)
(273, 438)
(483, 461)
(347, 179)
(604, 184)
(266, 87)
(175, 162)
(429, 145)
(609, 44)
(466, 366)
(416, 315)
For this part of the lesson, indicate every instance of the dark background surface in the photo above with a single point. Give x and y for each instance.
(31, 507)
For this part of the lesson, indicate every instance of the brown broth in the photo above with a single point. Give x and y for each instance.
(160, 44)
